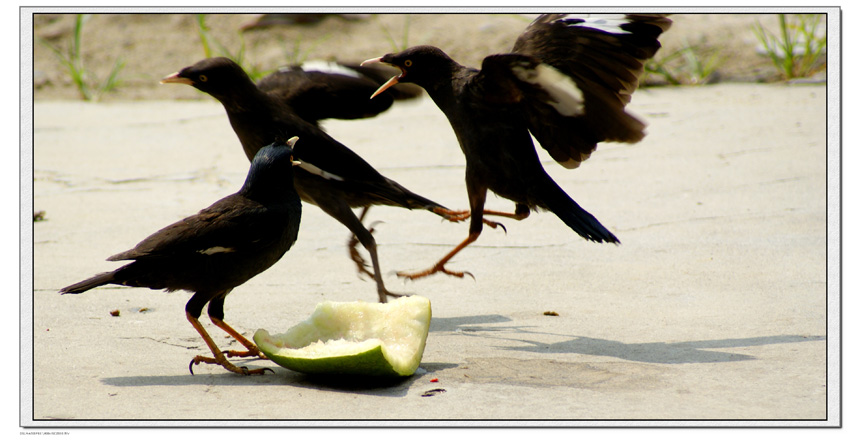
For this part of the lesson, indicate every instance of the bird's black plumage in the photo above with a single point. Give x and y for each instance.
(219, 248)
(566, 81)
(332, 90)
(331, 176)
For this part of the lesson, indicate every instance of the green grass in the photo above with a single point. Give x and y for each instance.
(690, 65)
(796, 51)
(212, 47)
(88, 84)
(296, 54)
(401, 44)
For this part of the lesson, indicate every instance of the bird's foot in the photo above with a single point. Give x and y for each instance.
(253, 352)
(459, 216)
(435, 269)
(453, 216)
(495, 225)
(220, 360)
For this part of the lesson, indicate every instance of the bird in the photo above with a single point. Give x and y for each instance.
(218, 249)
(303, 19)
(566, 82)
(331, 176)
(317, 90)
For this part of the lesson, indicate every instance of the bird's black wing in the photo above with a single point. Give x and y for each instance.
(575, 76)
(320, 90)
(605, 51)
(232, 224)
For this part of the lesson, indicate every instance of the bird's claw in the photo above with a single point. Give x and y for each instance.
(459, 216)
(243, 370)
(260, 371)
(249, 353)
(433, 270)
(495, 225)
(453, 216)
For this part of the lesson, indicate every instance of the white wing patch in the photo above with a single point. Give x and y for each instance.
(566, 97)
(313, 169)
(610, 23)
(216, 250)
(325, 67)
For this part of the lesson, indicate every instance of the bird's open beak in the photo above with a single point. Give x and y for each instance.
(176, 79)
(291, 142)
(391, 82)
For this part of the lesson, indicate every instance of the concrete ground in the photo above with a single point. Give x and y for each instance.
(714, 310)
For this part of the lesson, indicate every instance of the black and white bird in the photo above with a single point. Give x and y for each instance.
(331, 176)
(317, 90)
(566, 81)
(217, 249)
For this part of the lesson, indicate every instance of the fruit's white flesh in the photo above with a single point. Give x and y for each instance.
(354, 338)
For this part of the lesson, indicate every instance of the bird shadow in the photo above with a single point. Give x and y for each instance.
(684, 352)
(461, 323)
(376, 386)
(525, 338)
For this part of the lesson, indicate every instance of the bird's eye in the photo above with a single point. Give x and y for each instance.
(407, 63)
(203, 78)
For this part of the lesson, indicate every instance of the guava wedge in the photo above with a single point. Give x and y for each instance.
(354, 338)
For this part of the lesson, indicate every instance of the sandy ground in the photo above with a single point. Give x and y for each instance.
(713, 309)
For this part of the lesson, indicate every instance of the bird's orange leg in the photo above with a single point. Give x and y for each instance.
(440, 266)
(477, 197)
(253, 351)
(521, 213)
(219, 358)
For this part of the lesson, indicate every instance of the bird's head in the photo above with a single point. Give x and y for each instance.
(421, 65)
(271, 168)
(218, 77)
(278, 151)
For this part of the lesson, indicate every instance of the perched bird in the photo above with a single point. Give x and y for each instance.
(566, 81)
(218, 249)
(331, 176)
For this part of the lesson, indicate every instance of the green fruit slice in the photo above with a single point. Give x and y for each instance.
(357, 338)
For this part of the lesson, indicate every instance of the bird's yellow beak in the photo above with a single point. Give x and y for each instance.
(391, 82)
(176, 79)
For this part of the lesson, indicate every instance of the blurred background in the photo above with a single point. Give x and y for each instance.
(123, 56)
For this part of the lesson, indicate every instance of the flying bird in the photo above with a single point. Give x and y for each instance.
(566, 82)
(218, 249)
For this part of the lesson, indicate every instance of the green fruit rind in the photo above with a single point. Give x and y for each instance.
(357, 338)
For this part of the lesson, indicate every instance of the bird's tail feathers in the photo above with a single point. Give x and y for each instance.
(578, 219)
(89, 283)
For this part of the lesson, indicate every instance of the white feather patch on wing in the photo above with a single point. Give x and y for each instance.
(216, 250)
(325, 67)
(313, 169)
(566, 97)
(610, 23)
